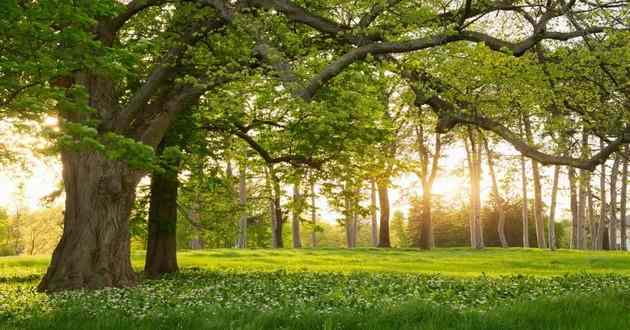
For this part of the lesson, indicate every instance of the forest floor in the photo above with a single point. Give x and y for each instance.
(454, 288)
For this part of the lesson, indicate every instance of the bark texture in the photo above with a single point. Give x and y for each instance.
(94, 248)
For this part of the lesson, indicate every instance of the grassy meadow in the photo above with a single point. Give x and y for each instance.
(340, 289)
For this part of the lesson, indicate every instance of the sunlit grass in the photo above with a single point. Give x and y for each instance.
(455, 288)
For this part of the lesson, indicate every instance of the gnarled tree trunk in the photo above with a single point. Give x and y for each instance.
(94, 248)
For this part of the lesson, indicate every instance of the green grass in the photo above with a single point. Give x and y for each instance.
(340, 289)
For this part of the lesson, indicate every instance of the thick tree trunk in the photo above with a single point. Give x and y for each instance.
(242, 203)
(612, 225)
(295, 223)
(624, 200)
(538, 207)
(552, 208)
(383, 196)
(161, 255)
(524, 210)
(373, 213)
(94, 248)
(574, 208)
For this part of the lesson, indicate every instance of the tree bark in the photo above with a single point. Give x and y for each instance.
(161, 255)
(524, 211)
(297, 211)
(552, 208)
(497, 196)
(373, 213)
(383, 195)
(94, 248)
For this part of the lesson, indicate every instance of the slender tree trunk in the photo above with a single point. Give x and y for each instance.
(497, 196)
(383, 195)
(602, 232)
(242, 203)
(624, 201)
(538, 207)
(297, 211)
(94, 248)
(313, 216)
(348, 222)
(475, 191)
(161, 256)
(524, 211)
(373, 213)
(276, 210)
(612, 226)
(552, 211)
(581, 211)
(574, 208)
(590, 214)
